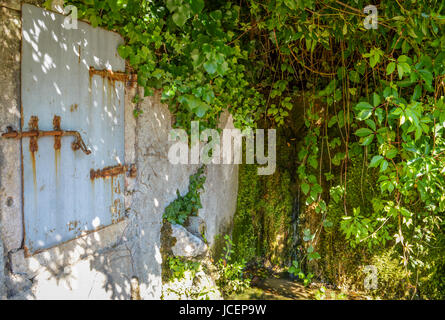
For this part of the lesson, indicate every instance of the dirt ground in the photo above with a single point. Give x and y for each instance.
(284, 289)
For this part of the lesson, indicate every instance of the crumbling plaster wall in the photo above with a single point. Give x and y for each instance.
(10, 181)
(100, 265)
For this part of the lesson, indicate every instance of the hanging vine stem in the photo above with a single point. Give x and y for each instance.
(306, 67)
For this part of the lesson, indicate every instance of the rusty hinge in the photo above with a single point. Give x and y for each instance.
(34, 133)
(113, 171)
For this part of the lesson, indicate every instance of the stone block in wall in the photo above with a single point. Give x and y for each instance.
(2, 272)
(18, 262)
(196, 225)
(187, 244)
(17, 4)
(11, 4)
(17, 284)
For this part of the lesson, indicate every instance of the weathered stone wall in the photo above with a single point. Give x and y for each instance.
(2, 273)
(10, 175)
(218, 209)
(10, 171)
(99, 265)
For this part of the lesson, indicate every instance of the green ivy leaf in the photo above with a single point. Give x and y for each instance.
(124, 51)
(390, 68)
(371, 124)
(210, 67)
(172, 5)
(314, 256)
(375, 161)
(368, 140)
(222, 68)
(417, 93)
(197, 6)
(305, 188)
(391, 153)
(363, 106)
(383, 166)
(363, 132)
(201, 109)
(375, 99)
(181, 15)
(400, 70)
(365, 110)
(364, 114)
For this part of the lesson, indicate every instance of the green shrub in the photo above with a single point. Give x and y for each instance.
(180, 266)
(231, 273)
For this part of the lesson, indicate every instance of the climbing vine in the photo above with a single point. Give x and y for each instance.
(374, 95)
(188, 49)
(188, 205)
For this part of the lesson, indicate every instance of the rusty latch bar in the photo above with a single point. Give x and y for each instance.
(34, 133)
(115, 76)
(114, 171)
